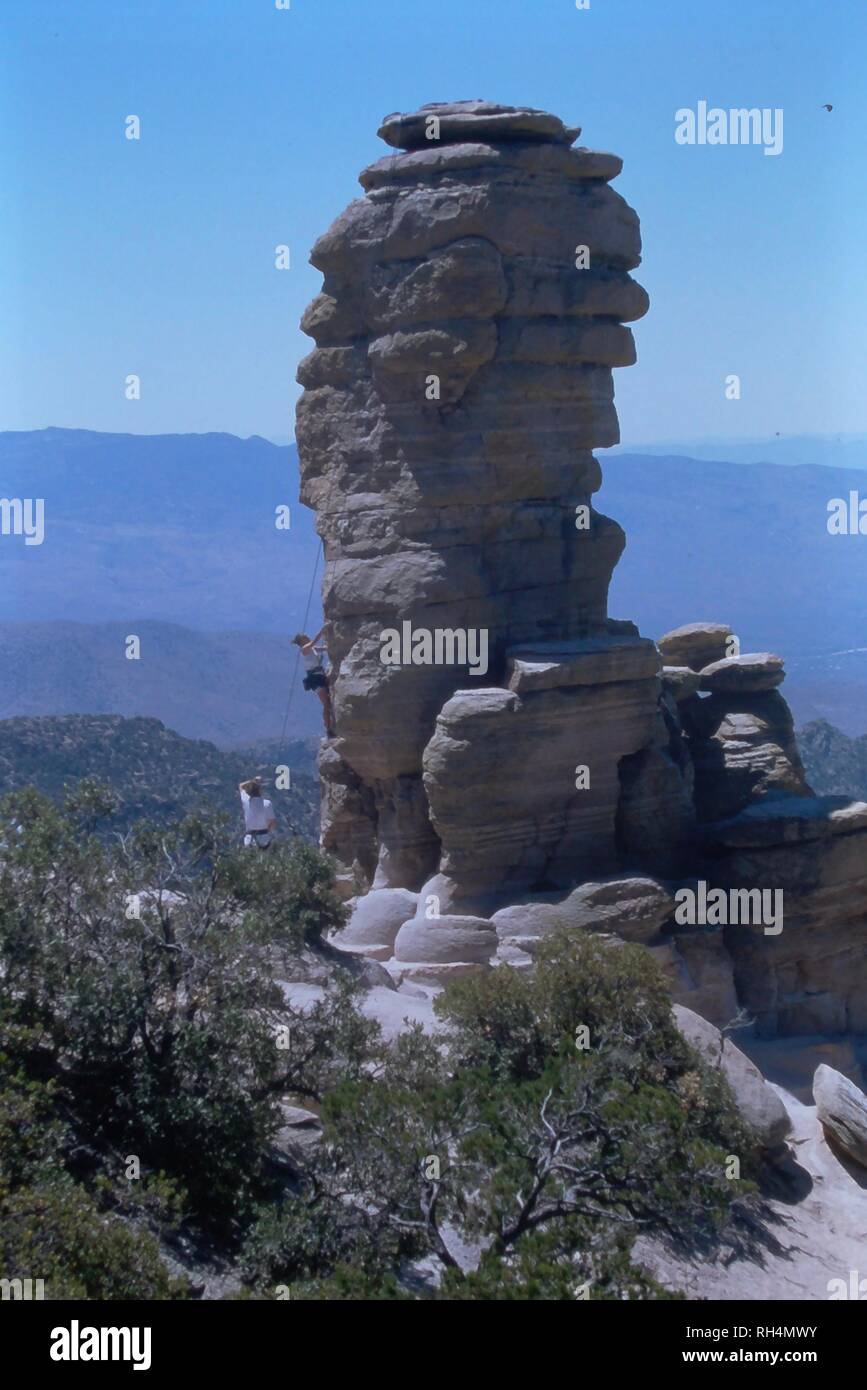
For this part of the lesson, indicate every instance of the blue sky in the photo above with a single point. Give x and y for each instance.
(156, 257)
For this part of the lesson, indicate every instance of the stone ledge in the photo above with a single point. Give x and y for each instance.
(586, 661)
(787, 821)
(474, 120)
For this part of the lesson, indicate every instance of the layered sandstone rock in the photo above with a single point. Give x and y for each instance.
(461, 378)
(760, 1106)
(634, 909)
(696, 645)
(761, 829)
(841, 1107)
(525, 763)
(743, 750)
(810, 976)
(500, 769)
(375, 922)
(734, 675)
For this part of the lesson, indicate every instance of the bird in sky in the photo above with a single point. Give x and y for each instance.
(826, 106)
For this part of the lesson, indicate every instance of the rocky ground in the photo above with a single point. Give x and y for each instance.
(816, 1232)
(814, 1227)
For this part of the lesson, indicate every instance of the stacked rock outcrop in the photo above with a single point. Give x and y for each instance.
(760, 827)
(473, 308)
(507, 759)
(741, 737)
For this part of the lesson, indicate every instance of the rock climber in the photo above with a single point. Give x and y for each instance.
(259, 819)
(316, 677)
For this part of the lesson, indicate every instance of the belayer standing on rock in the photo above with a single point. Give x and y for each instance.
(259, 819)
(316, 677)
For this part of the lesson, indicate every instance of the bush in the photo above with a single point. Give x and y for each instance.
(51, 1228)
(141, 976)
(559, 1115)
(287, 895)
(57, 1233)
(549, 1157)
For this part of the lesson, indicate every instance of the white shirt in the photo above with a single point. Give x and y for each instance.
(258, 811)
(313, 660)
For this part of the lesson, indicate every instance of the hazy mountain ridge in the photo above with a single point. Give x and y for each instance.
(178, 528)
(835, 765)
(230, 687)
(748, 544)
(831, 451)
(156, 773)
(178, 531)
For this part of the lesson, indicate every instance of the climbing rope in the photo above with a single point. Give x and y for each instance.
(298, 656)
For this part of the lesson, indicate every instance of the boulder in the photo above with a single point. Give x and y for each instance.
(445, 940)
(500, 827)
(528, 921)
(440, 896)
(736, 675)
(681, 681)
(695, 645)
(759, 1105)
(375, 921)
(842, 1109)
(633, 909)
(743, 751)
(473, 120)
(591, 661)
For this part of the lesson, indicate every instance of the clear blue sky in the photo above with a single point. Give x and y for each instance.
(156, 257)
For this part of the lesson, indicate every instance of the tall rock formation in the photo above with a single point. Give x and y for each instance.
(507, 760)
(472, 311)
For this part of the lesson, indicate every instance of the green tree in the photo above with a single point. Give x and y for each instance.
(549, 1158)
(142, 975)
(520, 1151)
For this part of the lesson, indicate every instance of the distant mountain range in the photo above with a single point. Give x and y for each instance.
(174, 527)
(748, 545)
(835, 765)
(230, 687)
(830, 451)
(156, 774)
(172, 537)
